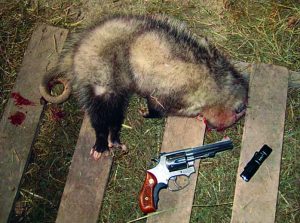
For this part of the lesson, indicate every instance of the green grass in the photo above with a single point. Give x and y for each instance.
(252, 31)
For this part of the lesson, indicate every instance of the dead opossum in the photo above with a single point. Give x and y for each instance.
(155, 58)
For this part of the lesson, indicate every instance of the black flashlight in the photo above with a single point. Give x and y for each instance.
(253, 165)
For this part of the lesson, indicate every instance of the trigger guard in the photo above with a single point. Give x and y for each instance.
(174, 178)
(178, 187)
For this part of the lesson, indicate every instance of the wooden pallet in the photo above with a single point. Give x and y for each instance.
(15, 141)
(264, 124)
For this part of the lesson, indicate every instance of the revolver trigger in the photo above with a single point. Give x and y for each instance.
(176, 185)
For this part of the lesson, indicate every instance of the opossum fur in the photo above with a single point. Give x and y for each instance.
(155, 58)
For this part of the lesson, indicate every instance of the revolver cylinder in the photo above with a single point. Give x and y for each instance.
(177, 161)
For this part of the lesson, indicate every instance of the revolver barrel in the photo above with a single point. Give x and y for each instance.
(182, 159)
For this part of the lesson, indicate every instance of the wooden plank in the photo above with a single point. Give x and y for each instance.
(255, 201)
(246, 68)
(86, 182)
(16, 141)
(179, 133)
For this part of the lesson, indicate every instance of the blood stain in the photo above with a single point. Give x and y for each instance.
(17, 118)
(57, 113)
(20, 100)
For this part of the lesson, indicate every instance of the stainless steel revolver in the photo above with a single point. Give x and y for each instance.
(173, 164)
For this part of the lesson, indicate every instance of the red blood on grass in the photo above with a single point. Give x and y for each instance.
(208, 129)
(57, 113)
(221, 129)
(20, 100)
(17, 118)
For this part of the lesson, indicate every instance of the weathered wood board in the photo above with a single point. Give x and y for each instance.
(255, 201)
(16, 141)
(179, 133)
(246, 68)
(84, 190)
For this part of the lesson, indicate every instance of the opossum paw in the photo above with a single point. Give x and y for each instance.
(117, 145)
(144, 112)
(97, 155)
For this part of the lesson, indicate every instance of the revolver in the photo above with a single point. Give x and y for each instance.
(173, 164)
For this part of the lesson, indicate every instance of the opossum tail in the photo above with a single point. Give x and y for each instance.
(51, 78)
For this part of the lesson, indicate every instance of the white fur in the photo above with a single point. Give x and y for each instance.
(99, 90)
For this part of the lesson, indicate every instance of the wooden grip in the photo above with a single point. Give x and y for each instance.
(146, 199)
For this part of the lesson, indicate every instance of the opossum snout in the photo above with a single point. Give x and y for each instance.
(220, 118)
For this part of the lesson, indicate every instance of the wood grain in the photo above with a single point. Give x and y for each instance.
(246, 69)
(256, 200)
(179, 133)
(16, 141)
(86, 182)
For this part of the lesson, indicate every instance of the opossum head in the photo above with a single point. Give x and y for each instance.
(230, 107)
(220, 117)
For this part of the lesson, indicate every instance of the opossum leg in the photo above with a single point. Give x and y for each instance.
(116, 125)
(115, 143)
(106, 115)
(152, 112)
(99, 120)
